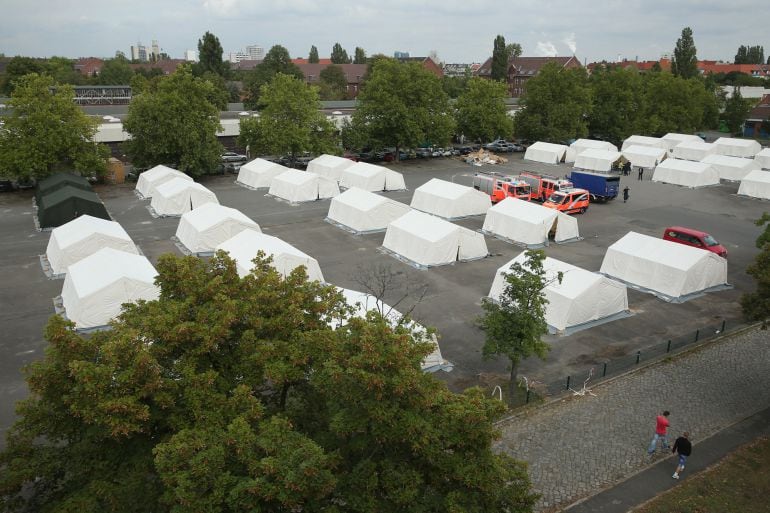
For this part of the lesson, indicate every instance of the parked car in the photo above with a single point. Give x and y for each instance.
(423, 153)
(694, 238)
(518, 148)
(26, 183)
(569, 201)
(6, 185)
(230, 156)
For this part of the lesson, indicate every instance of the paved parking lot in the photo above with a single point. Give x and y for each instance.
(454, 292)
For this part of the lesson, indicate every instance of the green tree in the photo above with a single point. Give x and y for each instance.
(513, 50)
(359, 57)
(18, 67)
(277, 60)
(290, 121)
(339, 55)
(139, 84)
(750, 55)
(175, 124)
(556, 106)
(736, 110)
(45, 132)
(673, 104)
(454, 87)
(219, 93)
(63, 71)
(499, 59)
(617, 104)
(756, 305)
(514, 325)
(403, 105)
(333, 83)
(481, 112)
(210, 56)
(685, 61)
(313, 57)
(115, 71)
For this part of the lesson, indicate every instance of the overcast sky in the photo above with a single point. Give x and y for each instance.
(458, 30)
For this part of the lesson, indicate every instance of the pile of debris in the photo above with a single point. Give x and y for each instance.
(482, 156)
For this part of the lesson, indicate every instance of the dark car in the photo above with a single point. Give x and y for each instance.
(517, 148)
(231, 156)
(26, 183)
(6, 185)
(423, 153)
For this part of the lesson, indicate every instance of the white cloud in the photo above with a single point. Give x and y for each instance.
(546, 49)
(222, 7)
(569, 40)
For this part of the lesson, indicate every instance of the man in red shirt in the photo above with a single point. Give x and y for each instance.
(661, 425)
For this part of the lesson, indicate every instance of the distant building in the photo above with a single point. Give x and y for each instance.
(521, 69)
(88, 66)
(191, 55)
(155, 53)
(255, 53)
(757, 123)
(642, 66)
(754, 70)
(139, 52)
(300, 60)
(427, 63)
(460, 70)
(354, 74)
(401, 55)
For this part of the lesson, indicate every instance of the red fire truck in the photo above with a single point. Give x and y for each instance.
(500, 186)
(544, 185)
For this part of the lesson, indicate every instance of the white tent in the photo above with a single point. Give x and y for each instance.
(580, 145)
(663, 267)
(597, 160)
(737, 147)
(730, 168)
(329, 166)
(177, 196)
(546, 152)
(203, 229)
(259, 173)
(643, 140)
(429, 240)
(364, 211)
(644, 156)
(756, 184)
(529, 223)
(96, 287)
(581, 297)
(673, 139)
(84, 236)
(244, 246)
(685, 173)
(694, 150)
(450, 200)
(372, 178)
(149, 180)
(299, 186)
(763, 159)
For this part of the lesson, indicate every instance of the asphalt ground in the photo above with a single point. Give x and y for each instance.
(454, 292)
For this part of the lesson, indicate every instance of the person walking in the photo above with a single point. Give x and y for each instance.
(682, 446)
(625, 194)
(661, 425)
(641, 173)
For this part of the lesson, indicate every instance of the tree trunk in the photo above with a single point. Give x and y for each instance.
(512, 383)
(397, 154)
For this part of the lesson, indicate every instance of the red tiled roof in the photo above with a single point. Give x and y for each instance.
(527, 65)
(168, 66)
(762, 111)
(88, 65)
(761, 70)
(353, 72)
(300, 60)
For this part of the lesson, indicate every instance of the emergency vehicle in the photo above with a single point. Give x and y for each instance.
(500, 186)
(544, 185)
(569, 200)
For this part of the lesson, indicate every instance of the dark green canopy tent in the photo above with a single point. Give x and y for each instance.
(59, 180)
(67, 203)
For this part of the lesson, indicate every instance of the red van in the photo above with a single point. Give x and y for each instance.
(694, 238)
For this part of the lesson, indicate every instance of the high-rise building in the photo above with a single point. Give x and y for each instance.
(155, 50)
(139, 52)
(191, 55)
(400, 55)
(255, 53)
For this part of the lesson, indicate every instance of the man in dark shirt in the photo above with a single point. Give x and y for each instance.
(682, 446)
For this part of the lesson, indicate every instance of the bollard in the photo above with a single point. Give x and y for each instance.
(723, 326)
(638, 355)
(604, 370)
(527, 397)
(668, 347)
(567, 387)
(697, 334)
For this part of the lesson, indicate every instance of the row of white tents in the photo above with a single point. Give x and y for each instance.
(173, 193)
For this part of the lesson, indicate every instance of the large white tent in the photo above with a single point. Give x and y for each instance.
(643, 140)
(597, 160)
(178, 196)
(203, 229)
(581, 297)
(730, 168)
(580, 145)
(84, 236)
(644, 156)
(329, 166)
(244, 246)
(666, 268)
(685, 173)
(364, 211)
(149, 180)
(429, 240)
(763, 159)
(372, 178)
(450, 200)
(529, 223)
(694, 150)
(732, 147)
(259, 173)
(300, 186)
(673, 139)
(756, 184)
(546, 152)
(96, 286)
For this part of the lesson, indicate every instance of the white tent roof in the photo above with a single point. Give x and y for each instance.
(84, 236)
(668, 268)
(528, 223)
(329, 166)
(644, 156)
(694, 150)
(685, 173)
(203, 229)
(177, 196)
(244, 246)
(673, 139)
(580, 145)
(756, 184)
(546, 152)
(364, 211)
(259, 173)
(429, 240)
(96, 286)
(300, 186)
(372, 178)
(149, 180)
(450, 200)
(643, 140)
(737, 147)
(594, 159)
(763, 159)
(581, 297)
(730, 168)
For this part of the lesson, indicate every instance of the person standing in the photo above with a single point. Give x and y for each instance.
(682, 446)
(625, 194)
(641, 173)
(661, 425)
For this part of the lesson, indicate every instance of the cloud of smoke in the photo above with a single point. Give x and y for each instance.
(546, 49)
(570, 42)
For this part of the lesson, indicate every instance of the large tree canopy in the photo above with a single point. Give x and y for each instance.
(500, 59)
(333, 83)
(481, 112)
(277, 60)
(339, 55)
(210, 56)
(115, 71)
(685, 62)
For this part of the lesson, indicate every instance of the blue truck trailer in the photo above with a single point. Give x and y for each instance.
(602, 187)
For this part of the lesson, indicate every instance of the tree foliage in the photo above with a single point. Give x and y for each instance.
(359, 56)
(175, 124)
(455, 86)
(500, 59)
(115, 71)
(312, 58)
(210, 56)
(333, 84)
(756, 305)
(233, 394)
(750, 55)
(45, 132)
(685, 61)
(617, 110)
(513, 50)
(277, 60)
(736, 110)
(18, 67)
(673, 104)
(339, 55)
(481, 112)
